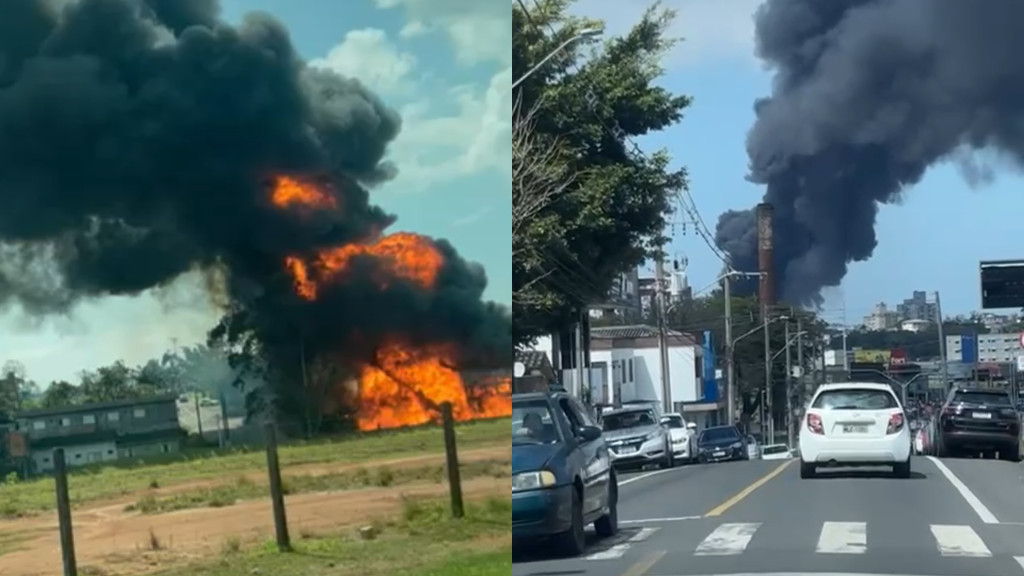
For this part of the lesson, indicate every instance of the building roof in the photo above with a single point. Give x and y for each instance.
(533, 360)
(637, 331)
(77, 409)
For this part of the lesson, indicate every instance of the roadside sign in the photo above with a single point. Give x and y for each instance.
(1020, 363)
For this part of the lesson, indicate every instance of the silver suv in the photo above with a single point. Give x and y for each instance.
(635, 437)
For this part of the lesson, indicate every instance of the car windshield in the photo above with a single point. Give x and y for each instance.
(532, 423)
(719, 434)
(675, 422)
(630, 419)
(855, 399)
(987, 398)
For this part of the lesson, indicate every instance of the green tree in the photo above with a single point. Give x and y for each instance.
(12, 383)
(60, 394)
(612, 213)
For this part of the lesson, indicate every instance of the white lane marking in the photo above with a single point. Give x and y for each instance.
(661, 520)
(843, 538)
(644, 476)
(973, 501)
(728, 539)
(959, 541)
(618, 550)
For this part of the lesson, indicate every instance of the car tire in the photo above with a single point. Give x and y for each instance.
(901, 469)
(573, 541)
(808, 470)
(608, 525)
(1011, 454)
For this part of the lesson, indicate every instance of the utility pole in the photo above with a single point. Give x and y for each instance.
(666, 383)
(789, 389)
(579, 356)
(767, 420)
(942, 344)
(730, 367)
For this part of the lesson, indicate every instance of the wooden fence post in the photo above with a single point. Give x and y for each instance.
(284, 543)
(452, 460)
(67, 535)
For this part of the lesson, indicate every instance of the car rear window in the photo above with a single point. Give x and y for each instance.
(719, 434)
(989, 398)
(775, 449)
(855, 399)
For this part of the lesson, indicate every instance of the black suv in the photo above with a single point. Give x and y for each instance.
(976, 421)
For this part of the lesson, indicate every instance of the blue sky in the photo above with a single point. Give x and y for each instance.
(932, 241)
(446, 65)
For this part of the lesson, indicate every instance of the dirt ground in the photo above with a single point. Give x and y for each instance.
(112, 542)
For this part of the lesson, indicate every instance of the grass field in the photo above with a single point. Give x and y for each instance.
(383, 477)
(112, 480)
(478, 545)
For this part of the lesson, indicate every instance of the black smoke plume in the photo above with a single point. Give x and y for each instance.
(138, 141)
(866, 95)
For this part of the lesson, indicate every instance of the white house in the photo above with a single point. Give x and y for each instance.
(915, 325)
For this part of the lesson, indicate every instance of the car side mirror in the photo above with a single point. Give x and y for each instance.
(691, 425)
(589, 433)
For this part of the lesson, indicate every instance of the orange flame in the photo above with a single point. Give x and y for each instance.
(402, 255)
(291, 192)
(406, 387)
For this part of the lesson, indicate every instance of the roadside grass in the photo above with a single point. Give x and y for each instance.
(114, 479)
(11, 541)
(423, 541)
(383, 477)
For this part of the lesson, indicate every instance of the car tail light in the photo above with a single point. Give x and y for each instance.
(895, 423)
(814, 424)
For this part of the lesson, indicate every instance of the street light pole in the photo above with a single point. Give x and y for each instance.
(731, 408)
(766, 404)
(788, 389)
(585, 33)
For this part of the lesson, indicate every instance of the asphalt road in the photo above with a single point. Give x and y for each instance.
(952, 518)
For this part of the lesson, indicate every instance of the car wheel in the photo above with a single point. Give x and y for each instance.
(1011, 454)
(901, 469)
(573, 541)
(608, 525)
(808, 470)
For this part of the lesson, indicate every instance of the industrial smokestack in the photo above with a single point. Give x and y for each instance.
(766, 254)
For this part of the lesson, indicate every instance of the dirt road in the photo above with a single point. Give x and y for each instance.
(114, 543)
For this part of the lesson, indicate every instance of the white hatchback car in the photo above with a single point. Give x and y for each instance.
(855, 424)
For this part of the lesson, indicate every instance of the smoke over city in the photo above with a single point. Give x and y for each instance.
(143, 139)
(866, 96)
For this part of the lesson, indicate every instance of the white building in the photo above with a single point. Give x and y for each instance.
(991, 348)
(914, 325)
(881, 318)
(625, 365)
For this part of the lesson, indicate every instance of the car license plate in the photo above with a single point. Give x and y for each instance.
(625, 450)
(855, 429)
(982, 415)
(719, 454)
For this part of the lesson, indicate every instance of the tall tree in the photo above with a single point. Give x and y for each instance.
(12, 381)
(60, 394)
(612, 215)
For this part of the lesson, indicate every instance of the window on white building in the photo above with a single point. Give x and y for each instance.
(89, 419)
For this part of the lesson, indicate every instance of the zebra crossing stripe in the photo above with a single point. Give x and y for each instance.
(960, 541)
(843, 538)
(728, 539)
(618, 550)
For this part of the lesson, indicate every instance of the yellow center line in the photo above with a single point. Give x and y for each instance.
(645, 564)
(721, 508)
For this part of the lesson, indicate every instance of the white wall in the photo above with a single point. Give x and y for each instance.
(646, 383)
(76, 455)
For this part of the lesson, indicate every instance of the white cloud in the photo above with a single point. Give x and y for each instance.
(368, 55)
(413, 29)
(480, 30)
(711, 29)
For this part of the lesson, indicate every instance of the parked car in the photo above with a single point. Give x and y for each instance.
(683, 435)
(776, 452)
(636, 438)
(562, 478)
(855, 424)
(721, 443)
(981, 421)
